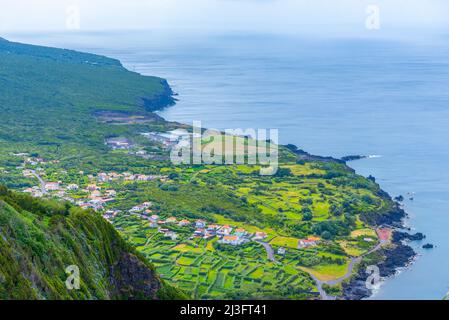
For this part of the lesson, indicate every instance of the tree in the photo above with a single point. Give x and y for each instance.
(284, 172)
(307, 216)
(326, 235)
(173, 176)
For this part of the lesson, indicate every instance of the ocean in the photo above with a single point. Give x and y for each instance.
(336, 97)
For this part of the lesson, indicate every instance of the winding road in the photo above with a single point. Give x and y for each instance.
(269, 249)
(354, 261)
(319, 283)
(41, 181)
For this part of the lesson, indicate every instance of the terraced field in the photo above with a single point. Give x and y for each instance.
(272, 205)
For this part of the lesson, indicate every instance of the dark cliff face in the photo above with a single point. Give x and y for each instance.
(392, 218)
(132, 279)
(303, 155)
(161, 100)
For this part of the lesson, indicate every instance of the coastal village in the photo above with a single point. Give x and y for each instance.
(177, 243)
(95, 196)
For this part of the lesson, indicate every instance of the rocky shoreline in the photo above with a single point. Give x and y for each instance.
(388, 260)
(400, 256)
(161, 101)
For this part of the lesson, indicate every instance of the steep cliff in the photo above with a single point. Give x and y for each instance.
(40, 239)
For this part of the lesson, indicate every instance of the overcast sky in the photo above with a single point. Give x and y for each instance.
(284, 16)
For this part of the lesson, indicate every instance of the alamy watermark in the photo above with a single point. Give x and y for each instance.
(231, 146)
(372, 21)
(73, 280)
(374, 277)
(73, 18)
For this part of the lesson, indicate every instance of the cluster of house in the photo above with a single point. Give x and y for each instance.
(110, 214)
(167, 139)
(302, 243)
(178, 137)
(128, 176)
(97, 198)
(34, 161)
(36, 192)
(225, 233)
(119, 143)
(143, 208)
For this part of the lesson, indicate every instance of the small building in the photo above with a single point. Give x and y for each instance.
(260, 236)
(60, 193)
(200, 224)
(103, 177)
(73, 187)
(142, 177)
(281, 251)
(147, 204)
(153, 225)
(95, 194)
(141, 153)
(309, 242)
(93, 187)
(130, 178)
(225, 230)
(115, 176)
(208, 235)
(119, 143)
(27, 173)
(213, 227)
(240, 232)
(184, 223)
(28, 190)
(111, 193)
(199, 233)
(232, 240)
(171, 220)
(52, 186)
(170, 234)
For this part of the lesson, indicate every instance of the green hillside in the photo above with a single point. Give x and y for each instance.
(47, 95)
(40, 239)
(287, 235)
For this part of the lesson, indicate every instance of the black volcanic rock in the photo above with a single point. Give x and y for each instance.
(400, 236)
(353, 158)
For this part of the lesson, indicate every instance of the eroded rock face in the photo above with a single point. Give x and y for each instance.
(400, 236)
(132, 279)
(399, 256)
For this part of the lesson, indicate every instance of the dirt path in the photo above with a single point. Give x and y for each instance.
(319, 283)
(348, 274)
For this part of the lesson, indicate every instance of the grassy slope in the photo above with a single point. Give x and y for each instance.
(47, 96)
(40, 239)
